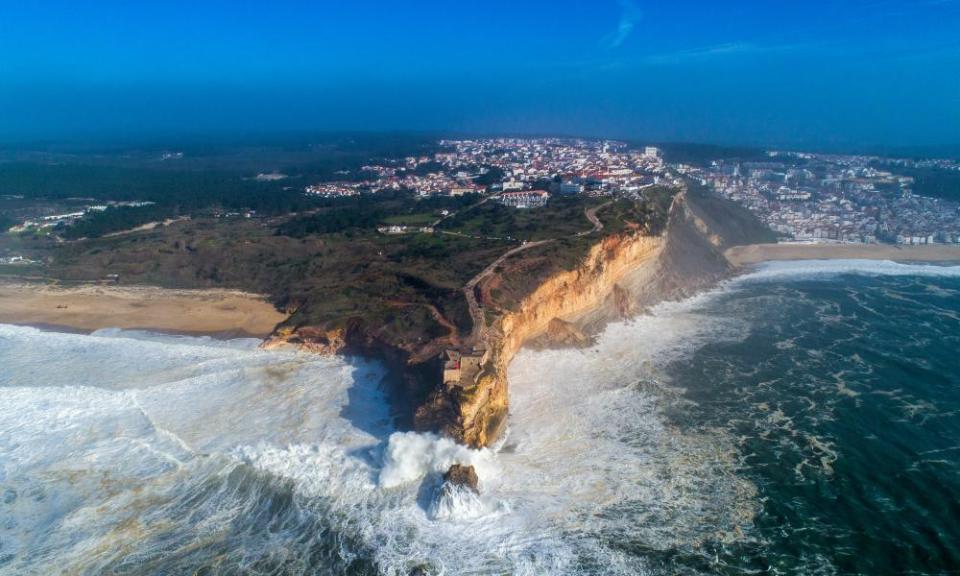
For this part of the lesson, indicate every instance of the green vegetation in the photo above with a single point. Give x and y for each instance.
(328, 280)
(934, 182)
(562, 216)
(367, 211)
(187, 191)
(649, 214)
(205, 177)
(494, 175)
(319, 258)
(420, 219)
(116, 219)
(6, 222)
(333, 221)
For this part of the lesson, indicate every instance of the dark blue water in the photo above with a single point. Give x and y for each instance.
(844, 399)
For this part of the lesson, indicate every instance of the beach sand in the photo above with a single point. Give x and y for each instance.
(221, 313)
(755, 253)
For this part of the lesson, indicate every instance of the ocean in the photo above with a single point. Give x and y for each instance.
(801, 419)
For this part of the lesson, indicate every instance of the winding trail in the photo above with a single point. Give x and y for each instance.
(591, 214)
(479, 333)
(476, 312)
(461, 211)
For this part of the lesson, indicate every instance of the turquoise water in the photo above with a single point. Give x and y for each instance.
(844, 399)
(803, 419)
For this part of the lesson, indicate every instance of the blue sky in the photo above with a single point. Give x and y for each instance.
(841, 72)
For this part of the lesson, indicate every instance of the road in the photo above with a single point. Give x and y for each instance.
(591, 214)
(476, 312)
(467, 209)
(469, 291)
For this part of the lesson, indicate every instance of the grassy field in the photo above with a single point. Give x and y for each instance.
(421, 219)
(562, 216)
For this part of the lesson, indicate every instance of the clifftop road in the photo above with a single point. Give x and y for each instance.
(476, 313)
(479, 333)
(591, 214)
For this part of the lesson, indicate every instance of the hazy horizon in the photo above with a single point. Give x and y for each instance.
(875, 74)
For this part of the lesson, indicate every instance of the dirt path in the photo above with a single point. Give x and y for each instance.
(461, 211)
(476, 312)
(591, 214)
(479, 333)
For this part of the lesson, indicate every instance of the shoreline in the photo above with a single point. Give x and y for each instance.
(743, 256)
(222, 314)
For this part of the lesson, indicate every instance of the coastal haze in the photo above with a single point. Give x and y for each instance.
(440, 289)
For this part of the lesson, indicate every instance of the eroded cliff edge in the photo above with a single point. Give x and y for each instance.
(460, 389)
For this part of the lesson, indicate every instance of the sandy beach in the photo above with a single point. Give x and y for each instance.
(755, 253)
(220, 313)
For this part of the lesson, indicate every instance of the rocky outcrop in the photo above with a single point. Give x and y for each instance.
(326, 342)
(463, 476)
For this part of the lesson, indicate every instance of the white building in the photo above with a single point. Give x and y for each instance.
(525, 199)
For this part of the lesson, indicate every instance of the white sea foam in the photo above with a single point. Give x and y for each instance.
(410, 456)
(826, 269)
(123, 445)
(458, 503)
(135, 446)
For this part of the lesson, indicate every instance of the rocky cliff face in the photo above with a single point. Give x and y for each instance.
(479, 413)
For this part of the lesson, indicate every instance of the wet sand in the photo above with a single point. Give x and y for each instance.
(755, 253)
(220, 313)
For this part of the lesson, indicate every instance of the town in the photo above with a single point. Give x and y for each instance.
(522, 173)
(829, 198)
(803, 197)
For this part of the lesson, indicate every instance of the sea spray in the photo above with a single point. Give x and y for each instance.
(453, 503)
(289, 462)
(411, 456)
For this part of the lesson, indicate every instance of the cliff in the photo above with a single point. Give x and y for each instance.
(475, 414)
(621, 275)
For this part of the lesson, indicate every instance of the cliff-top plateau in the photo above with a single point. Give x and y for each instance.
(446, 304)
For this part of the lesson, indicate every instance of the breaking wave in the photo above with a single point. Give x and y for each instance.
(132, 452)
(826, 269)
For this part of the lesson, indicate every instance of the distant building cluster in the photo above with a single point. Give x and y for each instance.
(523, 173)
(816, 197)
(333, 189)
(565, 166)
(804, 197)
